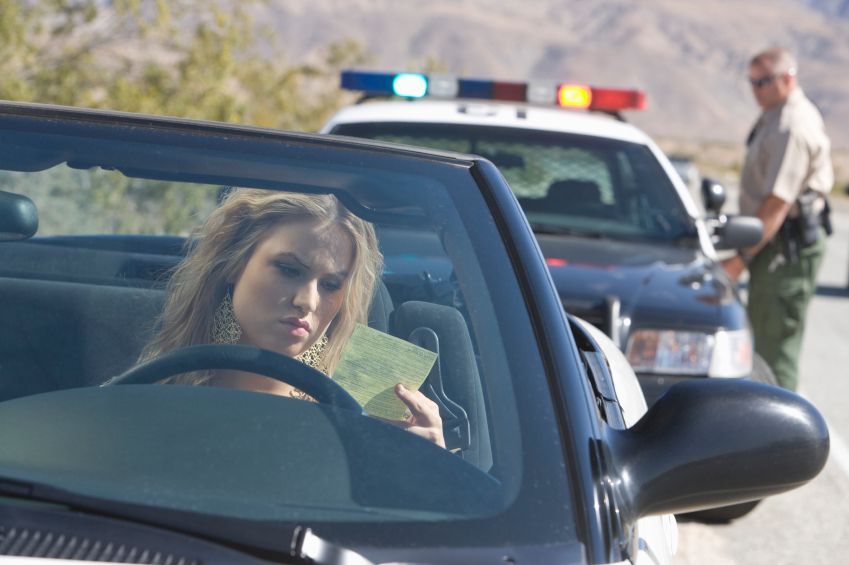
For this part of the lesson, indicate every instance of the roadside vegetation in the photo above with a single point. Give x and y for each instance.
(165, 57)
(158, 57)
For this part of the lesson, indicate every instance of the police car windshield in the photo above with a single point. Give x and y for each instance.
(575, 182)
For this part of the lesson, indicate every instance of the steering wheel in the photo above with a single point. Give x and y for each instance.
(240, 358)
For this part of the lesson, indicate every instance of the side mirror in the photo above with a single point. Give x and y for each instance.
(713, 195)
(18, 217)
(735, 232)
(717, 442)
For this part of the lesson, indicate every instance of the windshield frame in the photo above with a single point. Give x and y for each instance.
(471, 192)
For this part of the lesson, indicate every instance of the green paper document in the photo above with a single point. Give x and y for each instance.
(373, 363)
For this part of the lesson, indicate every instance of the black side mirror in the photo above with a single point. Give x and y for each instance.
(713, 195)
(708, 443)
(736, 232)
(18, 217)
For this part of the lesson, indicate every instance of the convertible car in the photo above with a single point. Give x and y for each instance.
(550, 452)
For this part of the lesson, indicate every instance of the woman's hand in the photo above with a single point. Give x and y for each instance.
(424, 419)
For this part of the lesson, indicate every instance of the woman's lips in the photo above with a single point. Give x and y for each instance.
(296, 326)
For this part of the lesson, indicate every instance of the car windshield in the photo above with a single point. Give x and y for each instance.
(126, 207)
(566, 183)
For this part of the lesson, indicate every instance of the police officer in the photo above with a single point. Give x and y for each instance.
(785, 177)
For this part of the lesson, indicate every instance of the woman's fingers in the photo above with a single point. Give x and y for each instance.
(424, 419)
(424, 410)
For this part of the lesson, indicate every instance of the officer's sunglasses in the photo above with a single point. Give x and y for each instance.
(763, 81)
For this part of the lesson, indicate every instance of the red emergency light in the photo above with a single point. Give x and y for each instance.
(613, 99)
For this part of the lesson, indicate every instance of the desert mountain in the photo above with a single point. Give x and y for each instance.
(689, 56)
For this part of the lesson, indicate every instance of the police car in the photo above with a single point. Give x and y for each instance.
(627, 246)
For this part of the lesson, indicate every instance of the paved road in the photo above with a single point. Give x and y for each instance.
(809, 524)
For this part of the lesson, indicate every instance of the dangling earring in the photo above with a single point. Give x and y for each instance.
(314, 356)
(225, 326)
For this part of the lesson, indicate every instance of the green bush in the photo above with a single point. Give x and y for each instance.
(163, 58)
(157, 57)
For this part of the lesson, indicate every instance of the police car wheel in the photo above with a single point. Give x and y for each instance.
(761, 373)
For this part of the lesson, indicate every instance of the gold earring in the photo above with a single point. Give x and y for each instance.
(225, 326)
(314, 356)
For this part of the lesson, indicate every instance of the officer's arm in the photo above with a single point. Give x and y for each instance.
(787, 161)
(786, 167)
(772, 212)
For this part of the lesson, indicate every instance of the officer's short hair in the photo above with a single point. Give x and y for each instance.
(777, 59)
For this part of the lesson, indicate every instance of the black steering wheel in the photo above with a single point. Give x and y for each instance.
(240, 358)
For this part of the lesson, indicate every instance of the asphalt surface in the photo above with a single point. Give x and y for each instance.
(809, 524)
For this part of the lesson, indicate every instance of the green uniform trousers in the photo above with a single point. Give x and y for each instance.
(779, 294)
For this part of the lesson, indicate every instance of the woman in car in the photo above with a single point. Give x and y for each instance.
(291, 273)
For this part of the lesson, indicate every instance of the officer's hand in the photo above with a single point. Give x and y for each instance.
(734, 267)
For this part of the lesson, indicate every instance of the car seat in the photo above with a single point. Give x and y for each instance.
(575, 197)
(454, 382)
(58, 335)
(573, 194)
(380, 308)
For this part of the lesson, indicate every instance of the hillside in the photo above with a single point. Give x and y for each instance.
(689, 57)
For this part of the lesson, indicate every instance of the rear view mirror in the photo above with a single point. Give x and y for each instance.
(18, 217)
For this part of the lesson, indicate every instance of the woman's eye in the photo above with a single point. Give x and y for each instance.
(287, 271)
(331, 286)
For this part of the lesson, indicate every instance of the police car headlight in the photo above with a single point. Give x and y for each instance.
(724, 354)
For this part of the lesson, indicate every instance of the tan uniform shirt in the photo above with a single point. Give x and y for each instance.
(789, 151)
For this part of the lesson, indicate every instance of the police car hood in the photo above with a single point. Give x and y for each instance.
(657, 285)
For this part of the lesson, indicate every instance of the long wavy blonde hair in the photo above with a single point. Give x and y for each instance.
(222, 247)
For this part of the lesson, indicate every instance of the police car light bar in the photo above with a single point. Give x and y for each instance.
(416, 85)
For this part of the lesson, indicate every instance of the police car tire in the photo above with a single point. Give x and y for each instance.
(761, 373)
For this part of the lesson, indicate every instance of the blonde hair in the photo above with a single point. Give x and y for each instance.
(226, 241)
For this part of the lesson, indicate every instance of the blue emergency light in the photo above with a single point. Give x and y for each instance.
(406, 85)
(416, 85)
(409, 85)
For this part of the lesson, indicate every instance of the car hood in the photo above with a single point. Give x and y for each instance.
(656, 285)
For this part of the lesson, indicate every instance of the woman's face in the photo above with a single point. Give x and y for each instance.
(293, 285)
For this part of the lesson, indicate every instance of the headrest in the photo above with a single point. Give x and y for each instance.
(573, 191)
(381, 307)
